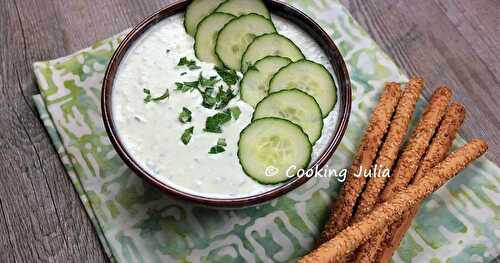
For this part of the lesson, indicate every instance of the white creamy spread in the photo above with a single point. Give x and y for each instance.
(151, 132)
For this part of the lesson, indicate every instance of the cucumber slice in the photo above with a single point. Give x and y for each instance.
(234, 38)
(296, 106)
(310, 77)
(255, 83)
(196, 11)
(206, 35)
(272, 44)
(272, 150)
(244, 7)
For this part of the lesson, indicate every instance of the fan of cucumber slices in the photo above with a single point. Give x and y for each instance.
(290, 94)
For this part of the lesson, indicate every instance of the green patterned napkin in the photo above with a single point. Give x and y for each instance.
(137, 223)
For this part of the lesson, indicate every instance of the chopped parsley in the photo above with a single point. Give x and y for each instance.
(185, 115)
(186, 135)
(228, 75)
(190, 64)
(223, 97)
(148, 98)
(200, 82)
(207, 82)
(219, 147)
(213, 123)
(186, 86)
(220, 100)
(165, 95)
(206, 88)
(235, 111)
(209, 101)
(183, 73)
(148, 95)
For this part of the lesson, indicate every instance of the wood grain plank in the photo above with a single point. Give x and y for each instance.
(422, 40)
(19, 164)
(43, 214)
(58, 229)
(100, 19)
(479, 23)
(5, 242)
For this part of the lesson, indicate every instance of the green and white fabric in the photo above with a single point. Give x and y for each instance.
(138, 223)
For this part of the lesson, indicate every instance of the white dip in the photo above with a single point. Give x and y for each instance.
(151, 132)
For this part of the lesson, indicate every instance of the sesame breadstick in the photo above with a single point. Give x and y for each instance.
(436, 152)
(371, 249)
(390, 148)
(407, 164)
(442, 141)
(381, 116)
(391, 210)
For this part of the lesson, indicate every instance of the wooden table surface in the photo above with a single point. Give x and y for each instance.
(452, 42)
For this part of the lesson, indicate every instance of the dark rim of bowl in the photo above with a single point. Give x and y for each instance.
(280, 9)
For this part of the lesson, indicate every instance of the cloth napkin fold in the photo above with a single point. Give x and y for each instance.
(138, 223)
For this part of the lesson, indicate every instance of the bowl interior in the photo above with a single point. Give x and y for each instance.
(342, 109)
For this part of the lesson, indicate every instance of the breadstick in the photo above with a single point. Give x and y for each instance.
(441, 144)
(442, 141)
(410, 157)
(369, 251)
(407, 164)
(388, 212)
(391, 146)
(381, 116)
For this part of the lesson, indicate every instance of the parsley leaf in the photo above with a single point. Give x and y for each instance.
(186, 135)
(228, 75)
(186, 86)
(209, 101)
(190, 64)
(223, 97)
(165, 95)
(220, 100)
(216, 149)
(207, 82)
(235, 111)
(185, 115)
(213, 123)
(148, 95)
(221, 143)
(206, 88)
(150, 98)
